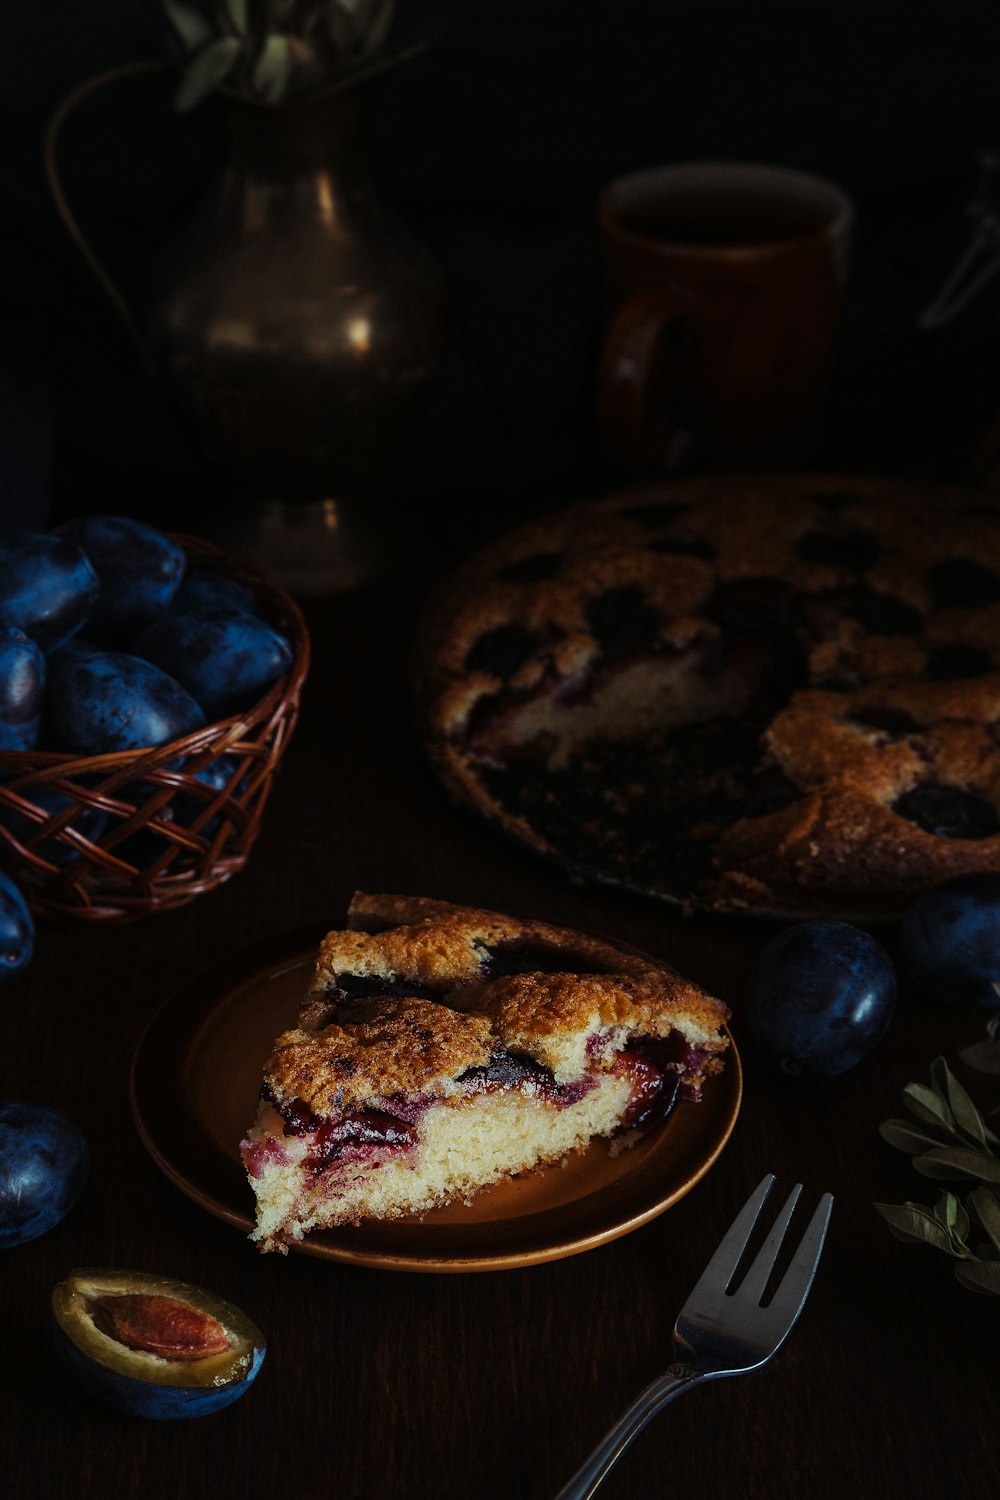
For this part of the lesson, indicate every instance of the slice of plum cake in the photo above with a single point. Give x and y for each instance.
(441, 1048)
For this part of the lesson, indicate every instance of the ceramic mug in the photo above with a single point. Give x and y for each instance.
(725, 291)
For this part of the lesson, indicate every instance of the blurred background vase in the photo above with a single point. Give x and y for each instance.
(295, 321)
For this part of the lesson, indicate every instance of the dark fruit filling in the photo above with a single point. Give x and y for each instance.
(531, 958)
(881, 614)
(769, 791)
(357, 1136)
(352, 989)
(654, 1066)
(683, 546)
(655, 1086)
(502, 651)
(537, 569)
(513, 1070)
(163, 1326)
(755, 605)
(835, 500)
(961, 584)
(847, 549)
(650, 816)
(948, 812)
(623, 622)
(372, 987)
(352, 1135)
(893, 721)
(641, 816)
(653, 515)
(955, 662)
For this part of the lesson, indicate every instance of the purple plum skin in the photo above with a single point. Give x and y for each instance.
(17, 930)
(950, 943)
(226, 659)
(44, 1165)
(139, 567)
(822, 995)
(48, 587)
(208, 590)
(22, 687)
(101, 702)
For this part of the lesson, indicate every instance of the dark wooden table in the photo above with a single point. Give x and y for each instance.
(442, 1387)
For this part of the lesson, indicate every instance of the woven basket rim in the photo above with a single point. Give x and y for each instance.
(100, 878)
(42, 761)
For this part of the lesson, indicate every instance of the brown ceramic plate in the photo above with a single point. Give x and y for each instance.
(195, 1078)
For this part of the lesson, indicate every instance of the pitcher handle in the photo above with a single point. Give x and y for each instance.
(60, 116)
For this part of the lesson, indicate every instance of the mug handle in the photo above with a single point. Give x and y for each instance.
(639, 384)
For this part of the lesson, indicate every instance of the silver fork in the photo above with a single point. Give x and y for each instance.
(719, 1331)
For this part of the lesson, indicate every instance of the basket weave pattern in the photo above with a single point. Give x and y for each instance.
(138, 831)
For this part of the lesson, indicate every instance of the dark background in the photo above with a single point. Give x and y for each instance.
(494, 143)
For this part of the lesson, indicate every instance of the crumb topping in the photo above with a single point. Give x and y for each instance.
(354, 1050)
(737, 690)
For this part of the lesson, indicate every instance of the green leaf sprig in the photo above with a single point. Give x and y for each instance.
(272, 50)
(962, 1146)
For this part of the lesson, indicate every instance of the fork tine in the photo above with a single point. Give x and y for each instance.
(720, 1269)
(755, 1280)
(789, 1299)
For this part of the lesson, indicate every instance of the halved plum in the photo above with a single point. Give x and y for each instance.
(150, 1346)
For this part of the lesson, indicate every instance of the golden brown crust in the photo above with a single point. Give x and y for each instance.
(862, 569)
(348, 1054)
(385, 1048)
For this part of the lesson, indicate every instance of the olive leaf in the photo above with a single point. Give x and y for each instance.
(191, 26)
(964, 1112)
(986, 1207)
(906, 1137)
(945, 1104)
(207, 70)
(911, 1221)
(928, 1106)
(273, 69)
(985, 1056)
(237, 13)
(955, 1161)
(980, 1275)
(340, 24)
(951, 1214)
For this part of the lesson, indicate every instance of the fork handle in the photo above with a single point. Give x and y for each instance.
(677, 1379)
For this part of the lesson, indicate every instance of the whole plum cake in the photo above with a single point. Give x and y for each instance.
(766, 693)
(442, 1048)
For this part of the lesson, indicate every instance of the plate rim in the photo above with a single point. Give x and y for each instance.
(226, 975)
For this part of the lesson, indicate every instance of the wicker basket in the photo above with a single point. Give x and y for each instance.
(138, 831)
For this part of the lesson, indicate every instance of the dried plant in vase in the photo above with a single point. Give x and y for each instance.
(272, 51)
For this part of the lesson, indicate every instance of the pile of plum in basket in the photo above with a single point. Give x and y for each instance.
(148, 687)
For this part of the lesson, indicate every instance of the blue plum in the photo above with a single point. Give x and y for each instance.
(226, 659)
(17, 930)
(139, 568)
(950, 942)
(103, 701)
(22, 686)
(44, 1164)
(154, 1347)
(48, 587)
(821, 997)
(205, 589)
